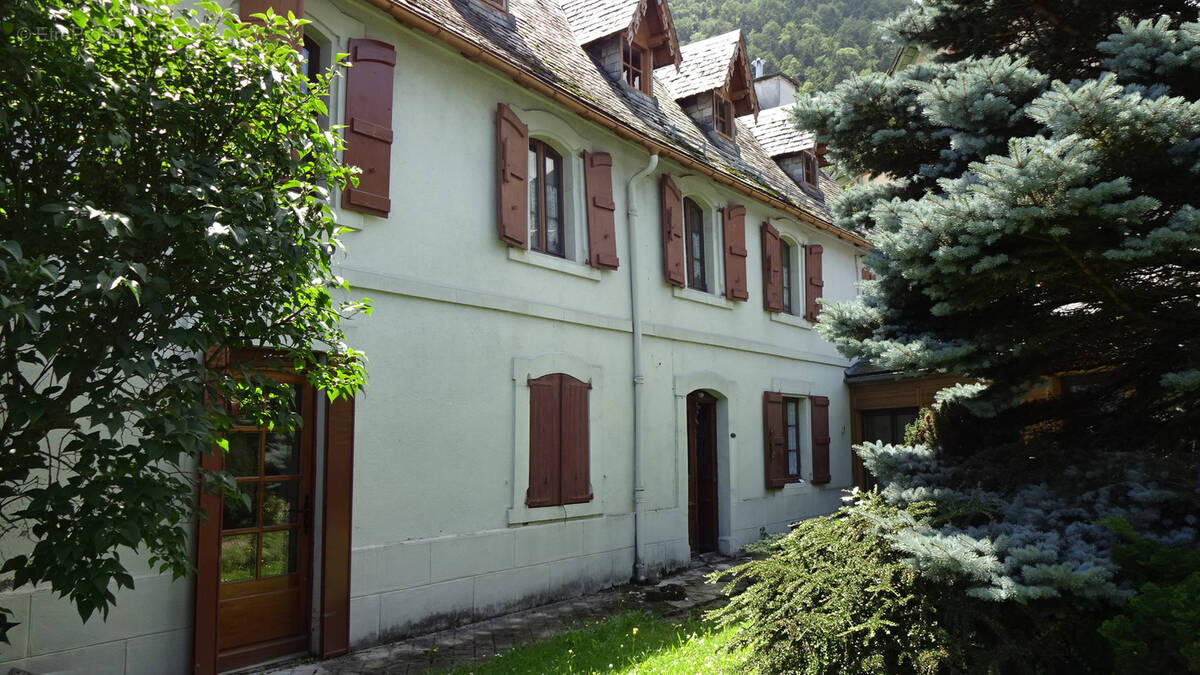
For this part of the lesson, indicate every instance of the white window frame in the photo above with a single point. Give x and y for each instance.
(524, 369)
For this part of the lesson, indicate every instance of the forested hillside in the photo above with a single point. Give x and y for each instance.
(817, 42)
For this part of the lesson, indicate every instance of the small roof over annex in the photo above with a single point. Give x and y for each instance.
(717, 63)
(648, 20)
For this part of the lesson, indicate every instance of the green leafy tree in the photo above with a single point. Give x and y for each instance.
(1037, 224)
(816, 42)
(164, 200)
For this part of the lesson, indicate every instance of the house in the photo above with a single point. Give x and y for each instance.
(592, 352)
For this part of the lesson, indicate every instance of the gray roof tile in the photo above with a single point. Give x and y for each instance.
(776, 133)
(594, 19)
(705, 65)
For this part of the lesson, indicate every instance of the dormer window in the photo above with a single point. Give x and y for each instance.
(722, 115)
(634, 68)
(810, 170)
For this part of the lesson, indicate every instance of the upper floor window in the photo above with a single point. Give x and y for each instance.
(811, 170)
(785, 259)
(545, 199)
(635, 68)
(693, 223)
(723, 115)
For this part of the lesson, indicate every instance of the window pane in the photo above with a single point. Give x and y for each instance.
(242, 458)
(554, 242)
(792, 412)
(282, 456)
(281, 503)
(535, 240)
(793, 462)
(238, 513)
(238, 556)
(877, 426)
(785, 257)
(279, 553)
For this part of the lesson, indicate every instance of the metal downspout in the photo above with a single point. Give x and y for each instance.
(639, 488)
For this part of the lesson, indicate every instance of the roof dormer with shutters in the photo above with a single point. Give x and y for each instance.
(714, 85)
(629, 39)
(796, 151)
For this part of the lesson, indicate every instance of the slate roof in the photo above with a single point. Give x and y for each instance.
(706, 65)
(593, 19)
(536, 36)
(776, 133)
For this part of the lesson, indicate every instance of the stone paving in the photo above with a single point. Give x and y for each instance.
(492, 637)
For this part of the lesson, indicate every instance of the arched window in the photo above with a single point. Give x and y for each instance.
(546, 211)
(693, 223)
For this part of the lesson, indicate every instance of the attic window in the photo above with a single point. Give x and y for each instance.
(810, 169)
(499, 5)
(635, 68)
(723, 115)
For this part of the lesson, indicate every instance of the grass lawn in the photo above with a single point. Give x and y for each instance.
(634, 642)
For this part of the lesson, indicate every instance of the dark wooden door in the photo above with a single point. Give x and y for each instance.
(265, 586)
(702, 471)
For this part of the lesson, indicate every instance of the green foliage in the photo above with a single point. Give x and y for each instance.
(1159, 630)
(164, 197)
(816, 42)
(1040, 226)
(836, 598)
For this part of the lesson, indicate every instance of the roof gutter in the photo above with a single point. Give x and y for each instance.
(479, 54)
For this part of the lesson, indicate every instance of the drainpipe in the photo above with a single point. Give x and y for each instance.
(639, 488)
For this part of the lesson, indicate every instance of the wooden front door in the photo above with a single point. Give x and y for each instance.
(264, 590)
(702, 471)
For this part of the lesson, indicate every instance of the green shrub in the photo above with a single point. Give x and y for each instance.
(835, 598)
(1159, 630)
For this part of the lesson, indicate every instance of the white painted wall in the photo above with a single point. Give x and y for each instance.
(441, 534)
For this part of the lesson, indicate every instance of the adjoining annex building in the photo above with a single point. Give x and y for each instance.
(595, 258)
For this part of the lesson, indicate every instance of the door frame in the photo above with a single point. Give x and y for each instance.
(331, 490)
(725, 391)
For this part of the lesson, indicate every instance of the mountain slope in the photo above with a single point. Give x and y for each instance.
(817, 42)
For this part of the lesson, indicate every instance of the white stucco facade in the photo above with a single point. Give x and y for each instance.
(441, 533)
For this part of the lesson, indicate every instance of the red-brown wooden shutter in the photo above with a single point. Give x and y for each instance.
(736, 287)
(576, 486)
(820, 439)
(369, 125)
(774, 450)
(867, 275)
(512, 169)
(545, 434)
(672, 228)
(602, 240)
(337, 526)
(814, 281)
(772, 269)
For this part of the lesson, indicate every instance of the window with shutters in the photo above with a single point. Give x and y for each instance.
(697, 258)
(546, 209)
(554, 457)
(558, 441)
(795, 438)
